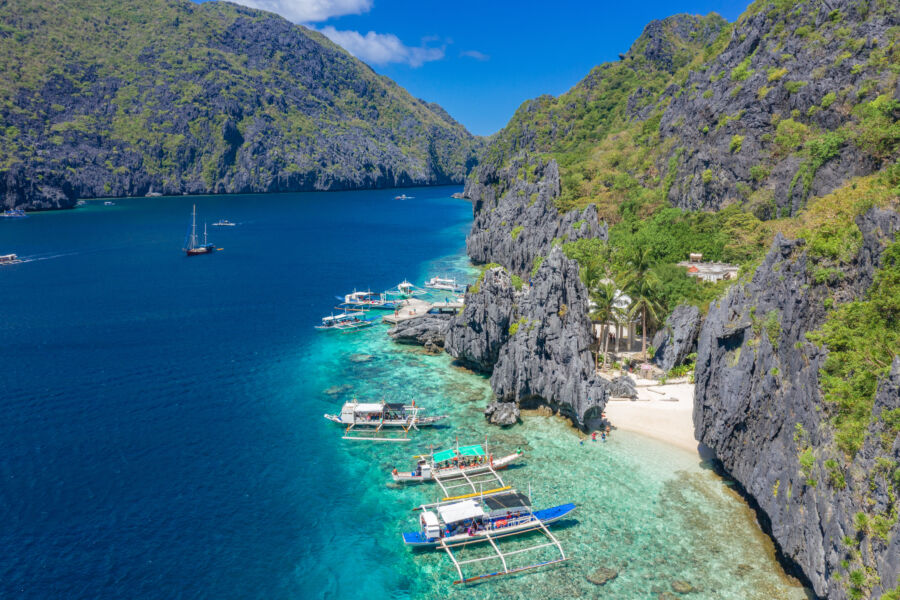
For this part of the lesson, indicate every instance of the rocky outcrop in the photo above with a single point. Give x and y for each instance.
(758, 406)
(429, 331)
(678, 337)
(476, 335)
(516, 219)
(197, 99)
(731, 144)
(502, 413)
(623, 386)
(547, 360)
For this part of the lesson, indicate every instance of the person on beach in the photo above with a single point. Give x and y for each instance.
(594, 437)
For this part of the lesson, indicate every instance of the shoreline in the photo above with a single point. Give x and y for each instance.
(654, 415)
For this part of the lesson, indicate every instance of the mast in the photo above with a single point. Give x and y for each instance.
(193, 243)
(204, 234)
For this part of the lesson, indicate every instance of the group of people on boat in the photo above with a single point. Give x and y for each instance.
(474, 526)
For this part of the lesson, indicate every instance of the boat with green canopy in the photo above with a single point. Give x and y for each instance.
(456, 463)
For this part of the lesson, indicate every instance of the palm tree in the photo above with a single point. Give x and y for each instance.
(604, 296)
(643, 286)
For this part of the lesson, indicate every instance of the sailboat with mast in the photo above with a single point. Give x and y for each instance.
(192, 245)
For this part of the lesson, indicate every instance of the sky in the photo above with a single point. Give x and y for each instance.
(480, 59)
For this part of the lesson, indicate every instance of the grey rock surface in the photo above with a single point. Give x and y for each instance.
(602, 575)
(623, 386)
(547, 361)
(428, 331)
(475, 336)
(678, 337)
(516, 220)
(502, 413)
(757, 405)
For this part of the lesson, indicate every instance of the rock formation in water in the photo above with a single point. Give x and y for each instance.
(547, 360)
(125, 98)
(758, 405)
(429, 331)
(677, 338)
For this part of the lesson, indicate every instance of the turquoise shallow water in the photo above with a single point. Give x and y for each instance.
(163, 433)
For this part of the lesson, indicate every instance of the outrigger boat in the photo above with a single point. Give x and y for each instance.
(367, 299)
(486, 518)
(346, 321)
(444, 284)
(456, 463)
(405, 289)
(369, 419)
(403, 197)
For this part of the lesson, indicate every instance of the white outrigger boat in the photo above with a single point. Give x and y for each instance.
(456, 463)
(346, 321)
(444, 284)
(486, 518)
(371, 418)
(405, 289)
(367, 299)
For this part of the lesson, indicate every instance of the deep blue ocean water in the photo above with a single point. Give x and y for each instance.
(162, 432)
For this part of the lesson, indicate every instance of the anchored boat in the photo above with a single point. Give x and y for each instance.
(367, 299)
(13, 213)
(456, 463)
(346, 321)
(368, 420)
(223, 223)
(444, 284)
(405, 289)
(192, 247)
(486, 518)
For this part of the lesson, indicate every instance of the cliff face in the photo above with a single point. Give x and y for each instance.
(547, 360)
(515, 217)
(103, 98)
(758, 406)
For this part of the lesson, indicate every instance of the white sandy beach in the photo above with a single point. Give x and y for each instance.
(653, 414)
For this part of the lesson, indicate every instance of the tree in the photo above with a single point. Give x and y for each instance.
(644, 287)
(604, 309)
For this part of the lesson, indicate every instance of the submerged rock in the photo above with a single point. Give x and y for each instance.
(547, 359)
(623, 386)
(361, 358)
(336, 390)
(502, 413)
(682, 587)
(602, 576)
(678, 338)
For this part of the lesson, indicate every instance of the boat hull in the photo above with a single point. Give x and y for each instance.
(419, 421)
(415, 539)
(201, 250)
(498, 464)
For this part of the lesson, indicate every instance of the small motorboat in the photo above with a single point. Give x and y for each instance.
(223, 223)
(403, 197)
(13, 213)
(109, 203)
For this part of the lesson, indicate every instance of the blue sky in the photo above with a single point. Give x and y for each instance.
(481, 59)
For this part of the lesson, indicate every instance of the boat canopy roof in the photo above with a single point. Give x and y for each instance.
(443, 455)
(430, 519)
(510, 500)
(460, 511)
(368, 407)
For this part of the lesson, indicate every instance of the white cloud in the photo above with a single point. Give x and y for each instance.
(310, 11)
(475, 54)
(382, 48)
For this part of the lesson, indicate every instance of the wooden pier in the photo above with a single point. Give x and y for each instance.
(411, 308)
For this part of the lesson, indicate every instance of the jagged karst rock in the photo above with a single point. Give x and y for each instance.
(757, 385)
(623, 386)
(252, 103)
(678, 337)
(428, 331)
(502, 413)
(602, 576)
(517, 220)
(547, 360)
(474, 337)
